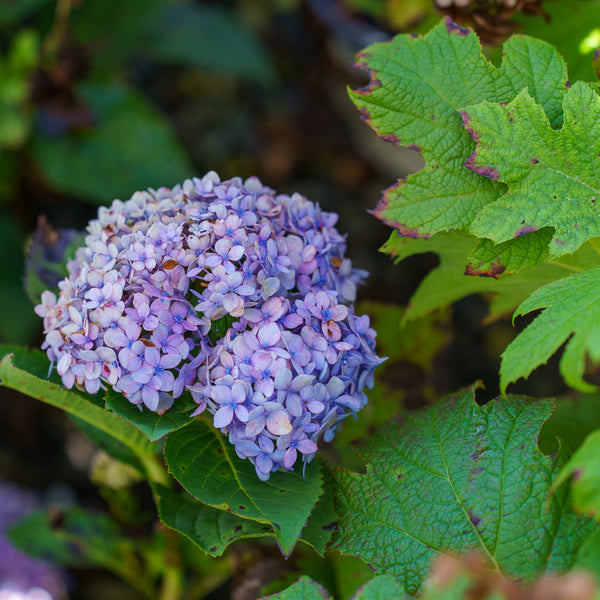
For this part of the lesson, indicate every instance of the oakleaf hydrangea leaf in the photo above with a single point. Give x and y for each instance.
(585, 469)
(209, 528)
(304, 589)
(493, 260)
(457, 477)
(450, 280)
(572, 309)
(553, 175)
(588, 557)
(568, 25)
(415, 101)
(575, 417)
(384, 587)
(207, 466)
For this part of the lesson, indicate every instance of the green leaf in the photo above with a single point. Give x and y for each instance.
(12, 13)
(108, 443)
(570, 23)
(492, 260)
(457, 477)
(209, 37)
(350, 573)
(24, 371)
(23, 323)
(131, 147)
(209, 528)
(449, 282)
(304, 589)
(116, 31)
(410, 348)
(572, 312)
(553, 176)
(412, 101)
(572, 420)
(81, 538)
(584, 467)
(384, 587)
(152, 425)
(588, 557)
(206, 465)
(323, 519)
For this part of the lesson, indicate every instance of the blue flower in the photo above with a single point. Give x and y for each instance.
(238, 294)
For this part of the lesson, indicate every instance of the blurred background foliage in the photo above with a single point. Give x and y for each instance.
(101, 98)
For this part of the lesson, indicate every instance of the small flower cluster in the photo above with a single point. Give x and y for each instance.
(225, 289)
(20, 575)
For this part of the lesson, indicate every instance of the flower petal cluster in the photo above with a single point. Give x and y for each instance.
(228, 290)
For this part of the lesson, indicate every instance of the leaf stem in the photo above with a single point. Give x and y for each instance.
(60, 27)
(154, 470)
(566, 266)
(172, 580)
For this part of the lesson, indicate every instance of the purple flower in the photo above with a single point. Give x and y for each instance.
(179, 317)
(263, 453)
(231, 401)
(293, 443)
(142, 256)
(230, 291)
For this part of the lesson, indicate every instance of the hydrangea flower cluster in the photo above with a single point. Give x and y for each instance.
(228, 290)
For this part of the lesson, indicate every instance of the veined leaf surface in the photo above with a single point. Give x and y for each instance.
(457, 477)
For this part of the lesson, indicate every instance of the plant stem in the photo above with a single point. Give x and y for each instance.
(155, 471)
(60, 26)
(172, 580)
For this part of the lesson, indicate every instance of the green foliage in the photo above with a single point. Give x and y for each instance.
(116, 31)
(211, 38)
(15, 69)
(552, 175)
(17, 369)
(413, 102)
(569, 26)
(570, 308)
(303, 589)
(77, 537)
(525, 184)
(130, 147)
(479, 471)
(507, 200)
(207, 466)
(571, 421)
(209, 528)
(450, 281)
(152, 425)
(384, 587)
(585, 469)
(12, 13)
(588, 557)
(23, 322)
